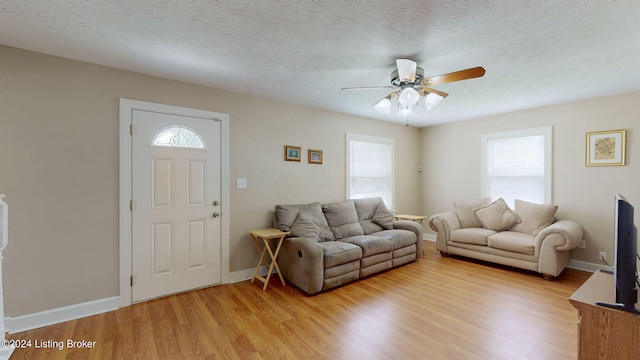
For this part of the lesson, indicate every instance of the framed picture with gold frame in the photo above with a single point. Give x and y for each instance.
(292, 153)
(314, 156)
(606, 148)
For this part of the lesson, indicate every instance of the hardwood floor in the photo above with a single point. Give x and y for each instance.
(435, 308)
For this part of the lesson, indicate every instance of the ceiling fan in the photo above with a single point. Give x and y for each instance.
(409, 84)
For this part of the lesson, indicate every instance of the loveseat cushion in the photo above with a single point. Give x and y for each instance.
(342, 219)
(370, 245)
(286, 216)
(512, 241)
(338, 253)
(496, 216)
(475, 236)
(373, 215)
(464, 211)
(534, 217)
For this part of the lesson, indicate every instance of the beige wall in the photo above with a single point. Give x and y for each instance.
(451, 157)
(59, 170)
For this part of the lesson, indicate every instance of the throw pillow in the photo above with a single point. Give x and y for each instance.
(497, 216)
(464, 211)
(383, 217)
(305, 228)
(534, 217)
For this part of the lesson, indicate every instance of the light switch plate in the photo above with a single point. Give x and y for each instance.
(241, 183)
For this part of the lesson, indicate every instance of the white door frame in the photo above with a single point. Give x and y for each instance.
(126, 108)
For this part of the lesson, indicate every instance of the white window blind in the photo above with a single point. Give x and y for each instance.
(517, 165)
(370, 167)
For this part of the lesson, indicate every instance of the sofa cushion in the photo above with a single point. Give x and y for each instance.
(342, 219)
(534, 217)
(497, 216)
(400, 238)
(464, 211)
(373, 215)
(512, 241)
(370, 245)
(475, 236)
(286, 215)
(338, 252)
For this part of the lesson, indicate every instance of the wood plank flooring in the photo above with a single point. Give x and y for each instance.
(435, 308)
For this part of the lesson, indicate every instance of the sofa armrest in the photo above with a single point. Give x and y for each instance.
(444, 221)
(301, 261)
(570, 235)
(553, 244)
(414, 227)
(443, 224)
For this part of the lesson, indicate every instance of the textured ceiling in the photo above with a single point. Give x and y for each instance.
(535, 53)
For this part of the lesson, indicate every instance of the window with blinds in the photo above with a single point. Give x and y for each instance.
(517, 165)
(370, 169)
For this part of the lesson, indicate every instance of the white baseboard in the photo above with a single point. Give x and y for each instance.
(22, 323)
(429, 237)
(55, 316)
(585, 266)
(241, 275)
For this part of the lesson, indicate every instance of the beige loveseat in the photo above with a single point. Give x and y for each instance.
(336, 243)
(529, 238)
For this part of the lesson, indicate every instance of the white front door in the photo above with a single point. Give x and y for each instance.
(175, 225)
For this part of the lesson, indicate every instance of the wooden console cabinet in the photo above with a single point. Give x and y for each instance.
(604, 333)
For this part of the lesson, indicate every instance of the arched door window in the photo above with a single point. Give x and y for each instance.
(180, 137)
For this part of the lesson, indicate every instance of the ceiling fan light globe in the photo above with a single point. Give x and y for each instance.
(408, 97)
(383, 106)
(432, 100)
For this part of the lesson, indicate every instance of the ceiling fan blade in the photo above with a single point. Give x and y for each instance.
(406, 70)
(391, 96)
(369, 87)
(425, 90)
(454, 76)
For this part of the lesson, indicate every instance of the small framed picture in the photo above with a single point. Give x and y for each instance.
(606, 148)
(315, 156)
(292, 153)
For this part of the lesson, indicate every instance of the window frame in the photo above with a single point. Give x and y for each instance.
(545, 131)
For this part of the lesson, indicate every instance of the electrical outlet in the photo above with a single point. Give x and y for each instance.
(603, 255)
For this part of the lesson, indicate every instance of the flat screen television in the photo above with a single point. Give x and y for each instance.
(626, 247)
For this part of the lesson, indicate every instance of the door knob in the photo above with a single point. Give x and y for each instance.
(215, 215)
(215, 203)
